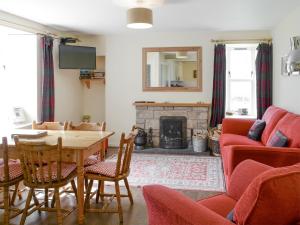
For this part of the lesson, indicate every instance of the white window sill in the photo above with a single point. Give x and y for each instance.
(22, 126)
(236, 116)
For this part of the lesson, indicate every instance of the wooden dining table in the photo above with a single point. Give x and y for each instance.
(77, 146)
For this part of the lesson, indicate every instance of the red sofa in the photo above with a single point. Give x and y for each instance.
(253, 192)
(236, 146)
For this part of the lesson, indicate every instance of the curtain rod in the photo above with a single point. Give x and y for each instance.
(32, 29)
(240, 41)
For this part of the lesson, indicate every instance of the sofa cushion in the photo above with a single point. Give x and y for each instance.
(221, 204)
(277, 139)
(289, 126)
(271, 116)
(272, 198)
(235, 139)
(256, 130)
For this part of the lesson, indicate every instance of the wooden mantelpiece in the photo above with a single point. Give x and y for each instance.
(170, 104)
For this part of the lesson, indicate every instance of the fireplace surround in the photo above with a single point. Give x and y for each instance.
(148, 116)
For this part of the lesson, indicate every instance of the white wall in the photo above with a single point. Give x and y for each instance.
(124, 72)
(68, 91)
(285, 89)
(72, 98)
(94, 98)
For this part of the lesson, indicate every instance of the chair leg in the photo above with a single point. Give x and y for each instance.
(102, 191)
(53, 202)
(36, 201)
(88, 193)
(16, 192)
(118, 195)
(86, 183)
(58, 208)
(6, 205)
(25, 212)
(46, 198)
(74, 188)
(98, 191)
(128, 191)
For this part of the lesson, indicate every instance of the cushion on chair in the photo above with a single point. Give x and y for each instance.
(103, 168)
(15, 170)
(91, 160)
(221, 204)
(66, 170)
(272, 198)
(271, 116)
(234, 139)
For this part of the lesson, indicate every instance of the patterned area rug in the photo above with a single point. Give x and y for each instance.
(184, 172)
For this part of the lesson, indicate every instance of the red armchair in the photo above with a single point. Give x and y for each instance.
(253, 190)
(236, 146)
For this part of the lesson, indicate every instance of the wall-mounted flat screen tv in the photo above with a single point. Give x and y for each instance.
(77, 57)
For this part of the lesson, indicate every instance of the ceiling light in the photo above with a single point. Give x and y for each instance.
(139, 18)
(139, 3)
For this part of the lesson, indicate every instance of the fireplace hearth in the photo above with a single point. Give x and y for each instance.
(173, 132)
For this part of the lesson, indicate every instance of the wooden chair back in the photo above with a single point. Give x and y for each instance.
(37, 160)
(4, 157)
(124, 154)
(88, 126)
(49, 126)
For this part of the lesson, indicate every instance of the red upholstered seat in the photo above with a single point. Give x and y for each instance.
(272, 115)
(66, 170)
(272, 198)
(259, 194)
(221, 204)
(103, 168)
(289, 125)
(15, 170)
(236, 146)
(235, 139)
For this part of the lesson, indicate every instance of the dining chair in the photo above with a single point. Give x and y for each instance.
(49, 125)
(43, 168)
(113, 172)
(91, 127)
(10, 174)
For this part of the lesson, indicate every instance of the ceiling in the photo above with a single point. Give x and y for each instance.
(106, 17)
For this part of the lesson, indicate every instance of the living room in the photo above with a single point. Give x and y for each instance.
(123, 97)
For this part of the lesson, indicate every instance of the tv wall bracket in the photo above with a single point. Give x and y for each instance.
(68, 40)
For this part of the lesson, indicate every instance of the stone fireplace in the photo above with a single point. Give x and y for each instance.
(172, 132)
(149, 115)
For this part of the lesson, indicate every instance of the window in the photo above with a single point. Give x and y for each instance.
(18, 77)
(241, 79)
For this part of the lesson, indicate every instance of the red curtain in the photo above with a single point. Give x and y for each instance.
(219, 86)
(264, 78)
(48, 98)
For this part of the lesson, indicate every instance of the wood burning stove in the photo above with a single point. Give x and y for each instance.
(173, 132)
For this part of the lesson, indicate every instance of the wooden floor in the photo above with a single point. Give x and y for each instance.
(133, 215)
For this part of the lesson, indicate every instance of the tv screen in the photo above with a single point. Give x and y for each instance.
(77, 57)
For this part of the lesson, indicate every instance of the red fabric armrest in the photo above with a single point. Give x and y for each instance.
(243, 175)
(169, 207)
(236, 126)
(272, 156)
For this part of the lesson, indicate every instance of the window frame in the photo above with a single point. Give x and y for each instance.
(229, 80)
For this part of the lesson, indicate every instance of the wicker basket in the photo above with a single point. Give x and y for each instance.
(213, 140)
(214, 146)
